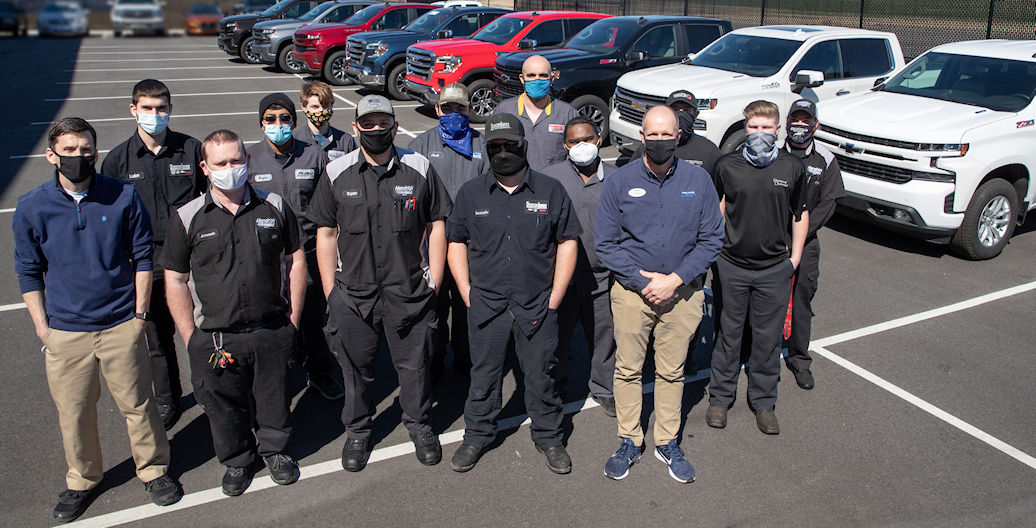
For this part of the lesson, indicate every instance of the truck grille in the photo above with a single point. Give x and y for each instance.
(420, 63)
(355, 49)
(632, 105)
(138, 14)
(507, 83)
(874, 170)
(225, 31)
(872, 139)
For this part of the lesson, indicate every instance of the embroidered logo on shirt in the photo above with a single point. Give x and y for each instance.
(695, 162)
(136, 176)
(435, 154)
(557, 129)
(688, 194)
(637, 192)
(305, 174)
(780, 183)
(267, 223)
(352, 193)
(476, 155)
(536, 207)
(210, 234)
(403, 190)
(334, 154)
(483, 212)
(815, 171)
(263, 177)
(180, 170)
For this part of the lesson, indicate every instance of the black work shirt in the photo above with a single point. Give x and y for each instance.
(382, 233)
(165, 181)
(338, 143)
(292, 177)
(512, 244)
(824, 183)
(453, 168)
(591, 277)
(760, 202)
(546, 136)
(234, 259)
(699, 151)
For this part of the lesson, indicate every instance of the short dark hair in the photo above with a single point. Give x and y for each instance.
(69, 125)
(219, 137)
(582, 120)
(151, 88)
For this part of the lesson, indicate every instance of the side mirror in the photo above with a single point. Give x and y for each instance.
(526, 44)
(378, 27)
(807, 79)
(637, 56)
(444, 34)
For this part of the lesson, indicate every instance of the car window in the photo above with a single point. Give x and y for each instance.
(275, 8)
(823, 57)
(394, 19)
(998, 84)
(312, 14)
(602, 37)
(755, 56)
(501, 30)
(428, 21)
(205, 9)
(865, 57)
(575, 25)
(700, 35)
(296, 10)
(549, 33)
(657, 42)
(341, 13)
(364, 15)
(464, 25)
(486, 18)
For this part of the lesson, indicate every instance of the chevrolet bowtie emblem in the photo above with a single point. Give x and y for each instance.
(639, 106)
(850, 148)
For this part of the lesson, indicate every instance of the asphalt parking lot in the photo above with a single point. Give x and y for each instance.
(922, 414)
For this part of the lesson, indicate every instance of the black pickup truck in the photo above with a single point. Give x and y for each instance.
(235, 32)
(590, 64)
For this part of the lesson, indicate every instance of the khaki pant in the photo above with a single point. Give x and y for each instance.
(73, 360)
(674, 326)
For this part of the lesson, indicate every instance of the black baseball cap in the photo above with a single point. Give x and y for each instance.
(682, 96)
(803, 105)
(504, 126)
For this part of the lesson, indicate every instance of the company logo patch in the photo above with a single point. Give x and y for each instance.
(266, 223)
(815, 171)
(263, 177)
(539, 207)
(771, 86)
(696, 162)
(1023, 124)
(557, 129)
(209, 234)
(780, 183)
(435, 155)
(136, 176)
(352, 193)
(334, 154)
(688, 194)
(803, 104)
(180, 170)
(637, 192)
(305, 174)
(481, 213)
(476, 155)
(403, 190)
(502, 125)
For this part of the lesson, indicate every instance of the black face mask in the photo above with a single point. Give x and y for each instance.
(505, 163)
(77, 169)
(659, 151)
(686, 123)
(800, 134)
(377, 141)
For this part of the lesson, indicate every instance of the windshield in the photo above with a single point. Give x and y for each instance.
(602, 37)
(364, 15)
(754, 56)
(60, 8)
(997, 84)
(312, 14)
(205, 9)
(501, 30)
(428, 21)
(277, 7)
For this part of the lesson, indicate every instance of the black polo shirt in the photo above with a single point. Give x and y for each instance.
(381, 214)
(824, 183)
(165, 181)
(234, 260)
(512, 244)
(292, 176)
(339, 142)
(760, 203)
(699, 151)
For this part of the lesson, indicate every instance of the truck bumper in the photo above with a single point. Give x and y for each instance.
(425, 94)
(265, 52)
(227, 44)
(365, 76)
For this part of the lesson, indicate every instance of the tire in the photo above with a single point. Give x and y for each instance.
(395, 83)
(334, 69)
(285, 62)
(482, 103)
(245, 51)
(596, 109)
(735, 142)
(988, 221)
(117, 34)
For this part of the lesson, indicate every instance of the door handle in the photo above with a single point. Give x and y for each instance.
(842, 92)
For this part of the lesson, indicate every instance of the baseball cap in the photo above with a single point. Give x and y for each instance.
(374, 104)
(682, 96)
(454, 93)
(504, 126)
(804, 105)
(277, 98)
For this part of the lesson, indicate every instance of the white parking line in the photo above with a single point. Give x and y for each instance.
(208, 94)
(76, 61)
(186, 50)
(15, 306)
(221, 79)
(236, 66)
(174, 116)
(26, 156)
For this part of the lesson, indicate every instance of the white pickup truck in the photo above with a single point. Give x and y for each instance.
(774, 63)
(944, 150)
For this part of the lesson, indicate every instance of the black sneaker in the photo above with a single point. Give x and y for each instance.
(327, 387)
(236, 481)
(427, 448)
(355, 455)
(71, 504)
(607, 405)
(169, 414)
(804, 379)
(283, 470)
(164, 490)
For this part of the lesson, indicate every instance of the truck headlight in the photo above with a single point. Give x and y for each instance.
(450, 63)
(376, 49)
(707, 104)
(950, 149)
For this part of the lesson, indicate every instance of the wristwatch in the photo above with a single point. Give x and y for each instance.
(143, 316)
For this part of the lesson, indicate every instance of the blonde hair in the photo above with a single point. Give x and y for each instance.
(220, 137)
(319, 89)
(762, 109)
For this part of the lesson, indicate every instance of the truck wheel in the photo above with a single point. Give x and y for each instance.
(334, 69)
(395, 83)
(595, 109)
(735, 142)
(480, 93)
(286, 62)
(988, 222)
(246, 52)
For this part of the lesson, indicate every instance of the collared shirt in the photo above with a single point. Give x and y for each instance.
(591, 277)
(339, 142)
(453, 168)
(165, 181)
(381, 214)
(547, 136)
(663, 225)
(293, 177)
(698, 151)
(824, 183)
(760, 202)
(234, 260)
(512, 244)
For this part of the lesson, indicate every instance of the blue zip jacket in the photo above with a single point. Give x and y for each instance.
(83, 255)
(663, 226)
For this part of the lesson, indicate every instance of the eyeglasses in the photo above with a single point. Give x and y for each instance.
(510, 146)
(272, 119)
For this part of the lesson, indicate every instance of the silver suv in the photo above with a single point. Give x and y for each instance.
(137, 16)
(273, 38)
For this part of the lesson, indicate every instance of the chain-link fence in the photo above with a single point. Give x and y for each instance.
(920, 25)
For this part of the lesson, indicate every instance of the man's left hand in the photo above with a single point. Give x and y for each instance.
(662, 288)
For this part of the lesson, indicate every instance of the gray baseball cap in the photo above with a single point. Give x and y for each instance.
(454, 93)
(374, 104)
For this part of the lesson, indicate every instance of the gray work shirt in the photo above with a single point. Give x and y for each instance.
(591, 277)
(547, 136)
(339, 145)
(294, 177)
(453, 168)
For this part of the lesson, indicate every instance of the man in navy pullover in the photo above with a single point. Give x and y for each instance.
(86, 240)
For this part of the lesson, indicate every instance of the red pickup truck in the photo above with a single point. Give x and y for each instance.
(322, 47)
(434, 64)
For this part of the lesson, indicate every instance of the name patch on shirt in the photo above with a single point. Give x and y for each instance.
(435, 155)
(403, 190)
(780, 183)
(352, 193)
(180, 170)
(263, 177)
(476, 155)
(208, 234)
(136, 176)
(815, 171)
(557, 129)
(266, 223)
(305, 174)
(539, 207)
(695, 162)
(688, 194)
(637, 192)
(482, 213)
(334, 154)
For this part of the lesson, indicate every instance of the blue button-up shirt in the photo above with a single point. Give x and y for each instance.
(666, 225)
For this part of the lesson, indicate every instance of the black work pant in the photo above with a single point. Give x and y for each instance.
(161, 347)
(313, 351)
(456, 335)
(806, 278)
(536, 356)
(762, 297)
(595, 312)
(356, 341)
(262, 365)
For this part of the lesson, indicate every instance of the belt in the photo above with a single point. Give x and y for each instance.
(248, 327)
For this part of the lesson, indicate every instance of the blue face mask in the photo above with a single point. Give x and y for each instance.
(456, 132)
(279, 134)
(537, 89)
(760, 148)
(153, 123)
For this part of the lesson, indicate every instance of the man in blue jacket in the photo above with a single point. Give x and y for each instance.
(86, 239)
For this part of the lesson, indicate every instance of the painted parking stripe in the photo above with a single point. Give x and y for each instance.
(76, 61)
(174, 116)
(185, 50)
(236, 66)
(26, 156)
(221, 79)
(179, 95)
(15, 306)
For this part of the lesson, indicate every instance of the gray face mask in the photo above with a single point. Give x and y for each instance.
(760, 148)
(800, 134)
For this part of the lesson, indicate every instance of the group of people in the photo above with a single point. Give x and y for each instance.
(308, 247)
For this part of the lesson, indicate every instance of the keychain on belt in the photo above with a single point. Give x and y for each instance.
(219, 359)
